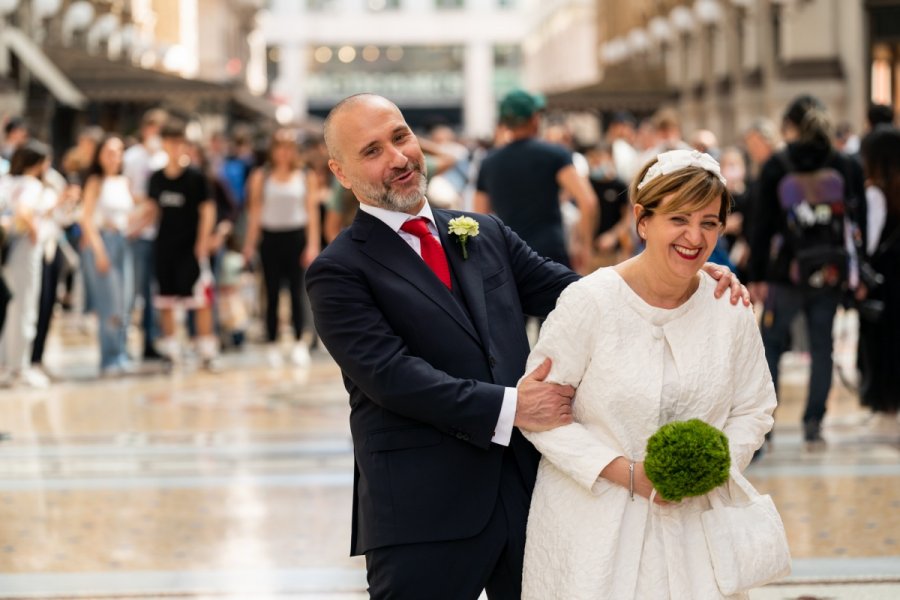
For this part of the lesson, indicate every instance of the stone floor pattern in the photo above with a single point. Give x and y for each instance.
(237, 486)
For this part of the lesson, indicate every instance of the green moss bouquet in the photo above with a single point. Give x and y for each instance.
(687, 458)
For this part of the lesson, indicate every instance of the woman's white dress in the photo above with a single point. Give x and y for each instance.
(636, 367)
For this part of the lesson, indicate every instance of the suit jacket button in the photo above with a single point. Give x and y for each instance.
(492, 361)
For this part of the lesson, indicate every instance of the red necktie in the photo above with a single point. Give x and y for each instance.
(432, 252)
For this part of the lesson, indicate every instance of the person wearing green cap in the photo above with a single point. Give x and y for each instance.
(521, 183)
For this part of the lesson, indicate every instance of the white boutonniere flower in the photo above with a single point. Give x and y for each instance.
(463, 228)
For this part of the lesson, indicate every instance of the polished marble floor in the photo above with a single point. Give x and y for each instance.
(237, 485)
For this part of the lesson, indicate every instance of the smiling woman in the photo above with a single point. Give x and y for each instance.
(644, 344)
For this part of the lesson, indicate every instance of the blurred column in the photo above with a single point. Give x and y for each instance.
(734, 40)
(682, 20)
(479, 112)
(709, 112)
(293, 69)
(852, 50)
(709, 17)
(293, 60)
(766, 49)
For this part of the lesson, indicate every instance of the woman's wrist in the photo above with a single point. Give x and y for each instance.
(617, 471)
(631, 480)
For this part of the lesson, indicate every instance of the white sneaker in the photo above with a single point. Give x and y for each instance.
(273, 356)
(883, 425)
(170, 348)
(111, 372)
(34, 378)
(212, 364)
(7, 379)
(300, 355)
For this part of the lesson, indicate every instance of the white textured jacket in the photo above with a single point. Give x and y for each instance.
(635, 368)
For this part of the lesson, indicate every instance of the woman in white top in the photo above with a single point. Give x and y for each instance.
(22, 269)
(644, 343)
(283, 208)
(106, 220)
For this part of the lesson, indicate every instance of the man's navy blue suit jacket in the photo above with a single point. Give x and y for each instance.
(426, 371)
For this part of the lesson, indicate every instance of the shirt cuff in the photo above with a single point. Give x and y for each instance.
(503, 431)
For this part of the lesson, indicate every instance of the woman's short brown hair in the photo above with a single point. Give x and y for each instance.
(691, 189)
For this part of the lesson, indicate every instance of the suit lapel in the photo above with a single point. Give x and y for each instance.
(388, 249)
(468, 272)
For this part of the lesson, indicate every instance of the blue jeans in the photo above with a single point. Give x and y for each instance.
(819, 307)
(111, 293)
(144, 275)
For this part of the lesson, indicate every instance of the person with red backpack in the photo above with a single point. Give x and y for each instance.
(808, 228)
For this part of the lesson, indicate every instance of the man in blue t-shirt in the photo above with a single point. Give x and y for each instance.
(521, 183)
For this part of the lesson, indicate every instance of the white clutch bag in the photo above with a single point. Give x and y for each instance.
(747, 543)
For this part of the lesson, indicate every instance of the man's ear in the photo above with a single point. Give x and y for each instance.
(339, 173)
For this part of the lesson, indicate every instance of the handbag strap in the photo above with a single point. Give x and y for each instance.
(736, 480)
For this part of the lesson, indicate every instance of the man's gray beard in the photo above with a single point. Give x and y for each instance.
(391, 200)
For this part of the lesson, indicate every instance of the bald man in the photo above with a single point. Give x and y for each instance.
(431, 343)
(443, 479)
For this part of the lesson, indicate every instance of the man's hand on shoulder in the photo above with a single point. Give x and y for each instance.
(542, 405)
(727, 280)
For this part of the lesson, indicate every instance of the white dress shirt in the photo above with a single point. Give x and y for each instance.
(395, 220)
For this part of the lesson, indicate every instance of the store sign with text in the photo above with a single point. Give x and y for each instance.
(430, 86)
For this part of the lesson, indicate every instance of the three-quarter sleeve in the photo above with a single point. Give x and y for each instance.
(567, 338)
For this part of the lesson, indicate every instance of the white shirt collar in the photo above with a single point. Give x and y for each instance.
(395, 219)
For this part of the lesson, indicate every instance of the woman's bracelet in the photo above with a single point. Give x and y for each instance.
(631, 480)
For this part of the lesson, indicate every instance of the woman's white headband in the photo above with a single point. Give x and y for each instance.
(675, 160)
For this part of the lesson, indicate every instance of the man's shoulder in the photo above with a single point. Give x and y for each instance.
(527, 147)
(844, 163)
(339, 245)
(339, 254)
(196, 179)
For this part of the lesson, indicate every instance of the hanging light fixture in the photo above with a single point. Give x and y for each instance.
(44, 9)
(77, 18)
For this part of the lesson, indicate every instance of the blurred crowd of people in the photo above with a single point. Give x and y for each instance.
(145, 229)
(161, 224)
(814, 223)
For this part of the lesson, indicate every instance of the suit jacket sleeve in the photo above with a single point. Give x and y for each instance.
(377, 360)
(539, 281)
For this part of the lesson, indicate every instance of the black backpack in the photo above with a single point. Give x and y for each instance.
(815, 206)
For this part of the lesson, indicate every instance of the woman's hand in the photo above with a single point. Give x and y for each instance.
(247, 252)
(607, 242)
(101, 261)
(309, 254)
(201, 250)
